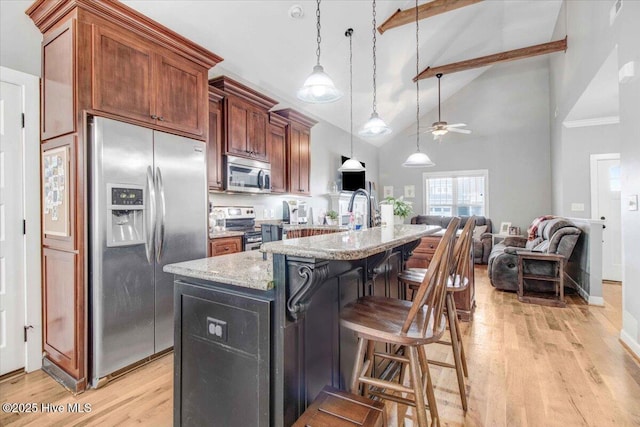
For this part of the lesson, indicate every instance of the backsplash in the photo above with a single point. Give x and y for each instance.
(269, 206)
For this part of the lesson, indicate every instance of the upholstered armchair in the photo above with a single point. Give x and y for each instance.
(553, 236)
(482, 241)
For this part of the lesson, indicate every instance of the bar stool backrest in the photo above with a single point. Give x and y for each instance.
(432, 290)
(462, 252)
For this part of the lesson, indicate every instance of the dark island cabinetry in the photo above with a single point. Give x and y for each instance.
(222, 356)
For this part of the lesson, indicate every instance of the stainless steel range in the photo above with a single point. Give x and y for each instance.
(242, 218)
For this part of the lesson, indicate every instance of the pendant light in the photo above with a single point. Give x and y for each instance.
(352, 164)
(318, 87)
(375, 126)
(418, 159)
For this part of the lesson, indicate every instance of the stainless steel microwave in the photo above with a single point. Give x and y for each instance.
(248, 176)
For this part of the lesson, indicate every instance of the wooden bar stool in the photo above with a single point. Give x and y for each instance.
(407, 327)
(337, 408)
(457, 282)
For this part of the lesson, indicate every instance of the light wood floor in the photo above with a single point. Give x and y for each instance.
(528, 366)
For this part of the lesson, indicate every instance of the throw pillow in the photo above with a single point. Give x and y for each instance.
(478, 231)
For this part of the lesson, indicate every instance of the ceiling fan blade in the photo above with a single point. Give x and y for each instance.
(457, 125)
(465, 131)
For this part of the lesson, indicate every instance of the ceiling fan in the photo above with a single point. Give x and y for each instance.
(441, 128)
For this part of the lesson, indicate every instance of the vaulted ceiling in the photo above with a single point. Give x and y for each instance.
(262, 45)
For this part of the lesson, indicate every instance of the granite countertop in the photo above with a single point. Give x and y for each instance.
(350, 245)
(245, 269)
(314, 227)
(226, 233)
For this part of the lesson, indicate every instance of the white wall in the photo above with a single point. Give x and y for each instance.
(591, 39)
(507, 108)
(577, 146)
(19, 38)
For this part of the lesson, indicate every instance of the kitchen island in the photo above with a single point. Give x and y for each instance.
(257, 339)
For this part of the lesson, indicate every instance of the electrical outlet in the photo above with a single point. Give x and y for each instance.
(577, 207)
(217, 329)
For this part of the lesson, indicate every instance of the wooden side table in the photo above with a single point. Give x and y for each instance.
(558, 279)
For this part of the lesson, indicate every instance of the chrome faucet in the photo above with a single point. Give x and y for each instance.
(370, 220)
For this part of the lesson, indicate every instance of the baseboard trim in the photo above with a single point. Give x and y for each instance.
(599, 301)
(67, 381)
(583, 294)
(630, 344)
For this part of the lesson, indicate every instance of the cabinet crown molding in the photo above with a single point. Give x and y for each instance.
(233, 87)
(46, 13)
(277, 119)
(215, 95)
(295, 116)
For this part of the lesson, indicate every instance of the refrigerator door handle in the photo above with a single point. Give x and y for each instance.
(151, 216)
(161, 213)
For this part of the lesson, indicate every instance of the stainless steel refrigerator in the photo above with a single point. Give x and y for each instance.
(148, 208)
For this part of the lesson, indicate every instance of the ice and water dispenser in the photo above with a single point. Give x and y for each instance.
(125, 215)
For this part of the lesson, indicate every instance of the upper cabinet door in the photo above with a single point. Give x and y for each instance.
(305, 163)
(58, 62)
(181, 95)
(294, 160)
(277, 158)
(237, 121)
(257, 133)
(214, 147)
(122, 75)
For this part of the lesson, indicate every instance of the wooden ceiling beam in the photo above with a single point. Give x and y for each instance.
(427, 10)
(483, 61)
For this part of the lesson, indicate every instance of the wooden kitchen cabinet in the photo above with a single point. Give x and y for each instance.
(277, 143)
(103, 58)
(215, 164)
(421, 257)
(138, 80)
(245, 119)
(298, 135)
(225, 245)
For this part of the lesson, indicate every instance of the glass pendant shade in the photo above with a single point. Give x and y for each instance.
(319, 88)
(351, 165)
(418, 160)
(375, 126)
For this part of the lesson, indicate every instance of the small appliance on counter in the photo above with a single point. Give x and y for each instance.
(241, 218)
(295, 212)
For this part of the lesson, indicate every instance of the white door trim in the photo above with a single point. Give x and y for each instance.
(594, 178)
(31, 187)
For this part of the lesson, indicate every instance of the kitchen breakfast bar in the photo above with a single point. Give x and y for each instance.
(257, 334)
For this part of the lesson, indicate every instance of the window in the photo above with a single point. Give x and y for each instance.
(456, 193)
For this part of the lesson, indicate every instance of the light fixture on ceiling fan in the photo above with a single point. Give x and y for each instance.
(352, 164)
(375, 126)
(318, 87)
(441, 128)
(418, 159)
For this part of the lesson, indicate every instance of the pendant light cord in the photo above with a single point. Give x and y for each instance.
(350, 33)
(417, 81)
(318, 39)
(374, 57)
(439, 75)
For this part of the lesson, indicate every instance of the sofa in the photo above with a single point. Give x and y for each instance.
(482, 242)
(553, 236)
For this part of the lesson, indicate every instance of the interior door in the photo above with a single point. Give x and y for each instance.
(12, 348)
(181, 225)
(608, 209)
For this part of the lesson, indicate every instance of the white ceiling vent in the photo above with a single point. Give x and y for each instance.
(615, 11)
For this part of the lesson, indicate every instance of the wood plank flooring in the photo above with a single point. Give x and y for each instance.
(528, 366)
